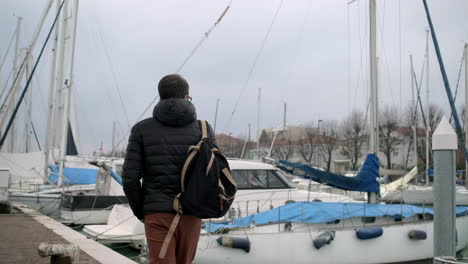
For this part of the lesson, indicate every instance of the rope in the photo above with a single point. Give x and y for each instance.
(204, 37)
(249, 76)
(125, 220)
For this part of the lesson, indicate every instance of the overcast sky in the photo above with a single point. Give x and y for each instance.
(315, 58)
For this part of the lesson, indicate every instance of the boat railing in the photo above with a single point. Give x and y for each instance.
(449, 260)
(32, 186)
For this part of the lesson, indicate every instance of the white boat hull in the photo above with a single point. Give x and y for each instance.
(47, 204)
(268, 245)
(84, 216)
(122, 227)
(421, 195)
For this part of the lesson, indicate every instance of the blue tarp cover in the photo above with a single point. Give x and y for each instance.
(322, 212)
(74, 175)
(364, 181)
(79, 175)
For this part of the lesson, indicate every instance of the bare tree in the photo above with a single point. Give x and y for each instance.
(353, 135)
(329, 140)
(283, 149)
(230, 146)
(307, 146)
(389, 121)
(435, 114)
(265, 142)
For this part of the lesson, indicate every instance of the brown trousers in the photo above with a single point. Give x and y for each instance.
(183, 244)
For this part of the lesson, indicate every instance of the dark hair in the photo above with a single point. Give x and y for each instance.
(173, 86)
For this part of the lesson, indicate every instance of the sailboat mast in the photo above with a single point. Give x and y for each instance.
(61, 90)
(258, 123)
(373, 144)
(216, 115)
(415, 116)
(15, 88)
(51, 105)
(374, 132)
(68, 88)
(113, 139)
(466, 107)
(284, 115)
(28, 115)
(427, 108)
(248, 143)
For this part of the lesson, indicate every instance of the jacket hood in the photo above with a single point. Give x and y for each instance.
(175, 112)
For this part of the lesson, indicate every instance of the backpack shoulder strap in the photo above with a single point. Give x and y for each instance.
(204, 129)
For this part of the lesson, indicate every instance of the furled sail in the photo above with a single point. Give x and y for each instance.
(364, 181)
(71, 145)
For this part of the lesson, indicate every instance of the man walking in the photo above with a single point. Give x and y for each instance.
(156, 152)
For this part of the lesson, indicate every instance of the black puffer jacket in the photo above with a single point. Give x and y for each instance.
(156, 152)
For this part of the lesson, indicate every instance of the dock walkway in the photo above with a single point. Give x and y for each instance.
(21, 234)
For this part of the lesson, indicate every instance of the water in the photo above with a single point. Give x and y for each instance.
(127, 251)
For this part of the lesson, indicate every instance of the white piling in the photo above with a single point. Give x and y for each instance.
(444, 145)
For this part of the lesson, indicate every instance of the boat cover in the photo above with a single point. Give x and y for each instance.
(79, 175)
(322, 212)
(116, 177)
(74, 175)
(364, 181)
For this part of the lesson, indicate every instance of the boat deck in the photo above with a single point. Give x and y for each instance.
(22, 233)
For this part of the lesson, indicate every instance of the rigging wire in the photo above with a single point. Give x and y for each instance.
(108, 93)
(41, 96)
(362, 42)
(418, 91)
(384, 55)
(129, 130)
(204, 37)
(446, 82)
(194, 50)
(8, 50)
(458, 83)
(249, 76)
(300, 36)
(4, 88)
(35, 136)
(112, 70)
(15, 111)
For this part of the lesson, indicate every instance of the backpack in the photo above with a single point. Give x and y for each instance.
(207, 186)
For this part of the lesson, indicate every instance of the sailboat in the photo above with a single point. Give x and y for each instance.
(418, 194)
(74, 176)
(324, 232)
(261, 187)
